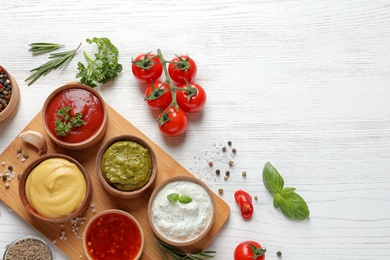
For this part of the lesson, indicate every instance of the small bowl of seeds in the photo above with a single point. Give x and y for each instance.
(9, 95)
(28, 247)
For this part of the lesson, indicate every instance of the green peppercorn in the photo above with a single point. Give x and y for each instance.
(244, 174)
(220, 191)
(19, 150)
(231, 163)
(25, 155)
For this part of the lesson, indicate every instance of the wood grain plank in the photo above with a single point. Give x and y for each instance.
(72, 246)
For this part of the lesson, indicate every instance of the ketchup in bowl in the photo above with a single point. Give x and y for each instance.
(78, 100)
(75, 116)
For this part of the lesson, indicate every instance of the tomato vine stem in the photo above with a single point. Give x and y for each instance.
(168, 80)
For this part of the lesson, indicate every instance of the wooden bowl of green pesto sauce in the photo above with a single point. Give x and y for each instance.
(126, 166)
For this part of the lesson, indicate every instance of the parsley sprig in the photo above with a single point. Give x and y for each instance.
(103, 66)
(64, 124)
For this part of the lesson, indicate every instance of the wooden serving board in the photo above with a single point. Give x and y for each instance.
(72, 246)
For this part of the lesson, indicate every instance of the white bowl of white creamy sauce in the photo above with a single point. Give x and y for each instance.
(181, 223)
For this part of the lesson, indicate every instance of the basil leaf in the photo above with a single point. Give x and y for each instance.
(173, 197)
(185, 199)
(272, 180)
(291, 204)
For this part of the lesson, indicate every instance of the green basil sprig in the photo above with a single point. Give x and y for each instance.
(181, 198)
(290, 203)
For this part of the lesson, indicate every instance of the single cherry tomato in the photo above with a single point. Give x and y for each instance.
(244, 201)
(147, 67)
(182, 68)
(172, 121)
(249, 250)
(191, 97)
(158, 95)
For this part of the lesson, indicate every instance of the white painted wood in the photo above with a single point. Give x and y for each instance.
(302, 83)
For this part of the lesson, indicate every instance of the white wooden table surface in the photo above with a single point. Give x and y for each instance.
(304, 84)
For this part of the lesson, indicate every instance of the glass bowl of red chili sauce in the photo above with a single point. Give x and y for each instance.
(75, 116)
(113, 234)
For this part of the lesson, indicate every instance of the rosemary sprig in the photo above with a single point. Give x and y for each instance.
(38, 48)
(58, 61)
(175, 254)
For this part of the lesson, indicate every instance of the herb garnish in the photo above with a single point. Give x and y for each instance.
(175, 254)
(104, 67)
(64, 124)
(181, 198)
(58, 60)
(290, 203)
(38, 48)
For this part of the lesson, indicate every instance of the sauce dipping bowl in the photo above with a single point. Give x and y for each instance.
(79, 98)
(125, 163)
(174, 218)
(9, 111)
(28, 247)
(113, 227)
(53, 182)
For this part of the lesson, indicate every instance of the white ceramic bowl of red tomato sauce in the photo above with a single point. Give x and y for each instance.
(113, 234)
(78, 99)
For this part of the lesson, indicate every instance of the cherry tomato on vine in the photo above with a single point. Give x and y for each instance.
(158, 95)
(244, 201)
(147, 67)
(172, 121)
(191, 97)
(182, 68)
(249, 250)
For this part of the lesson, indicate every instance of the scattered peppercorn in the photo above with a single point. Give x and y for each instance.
(234, 150)
(18, 150)
(225, 177)
(220, 191)
(224, 149)
(217, 171)
(10, 168)
(231, 163)
(227, 173)
(7, 185)
(19, 176)
(4, 177)
(211, 164)
(230, 143)
(25, 155)
(243, 174)
(255, 197)
(279, 253)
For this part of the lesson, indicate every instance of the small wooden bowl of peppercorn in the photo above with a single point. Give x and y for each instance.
(9, 96)
(55, 188)
(126, 166)
(75, 116)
